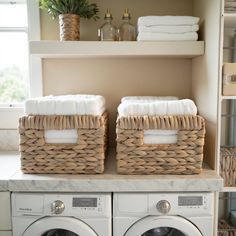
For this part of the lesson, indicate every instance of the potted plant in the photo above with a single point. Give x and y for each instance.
(69, 13)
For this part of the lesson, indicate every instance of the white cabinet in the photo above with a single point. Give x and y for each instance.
(6, 233)
(5, 212)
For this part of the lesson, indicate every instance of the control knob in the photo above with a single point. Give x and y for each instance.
(163, 206)
(57, 207)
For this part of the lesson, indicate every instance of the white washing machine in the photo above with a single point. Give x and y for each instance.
(38, 214)
(163, 214)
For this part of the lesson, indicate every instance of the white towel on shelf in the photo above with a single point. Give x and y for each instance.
(149, 36)
(172, 107)
(61, 136)
(173, 29)
(147, 98)
(80, 104)
(167, 20)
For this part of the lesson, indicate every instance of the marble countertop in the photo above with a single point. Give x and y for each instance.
(13, 179)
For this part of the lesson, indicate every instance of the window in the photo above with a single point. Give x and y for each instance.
(20, 74)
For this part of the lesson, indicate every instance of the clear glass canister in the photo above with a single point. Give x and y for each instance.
(127, 31)
(107, 32)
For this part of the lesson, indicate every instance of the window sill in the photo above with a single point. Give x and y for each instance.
(9, 117)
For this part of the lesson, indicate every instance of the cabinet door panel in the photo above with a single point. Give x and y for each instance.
(5, 213)
(6, 233)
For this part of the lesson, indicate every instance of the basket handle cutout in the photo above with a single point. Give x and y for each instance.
(160, 137)
(65, 136)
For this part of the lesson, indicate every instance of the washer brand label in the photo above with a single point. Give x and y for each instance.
(25, 209)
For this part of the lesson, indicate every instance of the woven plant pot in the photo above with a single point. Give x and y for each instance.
(69, 27)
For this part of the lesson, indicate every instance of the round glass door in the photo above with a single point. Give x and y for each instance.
(59, 226)
(163, 231)
(163, 226)
(59, 232)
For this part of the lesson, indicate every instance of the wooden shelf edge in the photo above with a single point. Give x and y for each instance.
(70, 49)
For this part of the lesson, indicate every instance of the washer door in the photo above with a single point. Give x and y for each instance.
(59, 226)
(163, 226)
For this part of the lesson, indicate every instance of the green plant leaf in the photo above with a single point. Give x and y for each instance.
(79, 7)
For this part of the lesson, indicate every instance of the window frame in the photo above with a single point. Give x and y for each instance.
(10, 113)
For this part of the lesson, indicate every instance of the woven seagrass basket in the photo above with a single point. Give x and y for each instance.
(225, 229)
(183, 157)
(69, 27)
(228, 165)
(85, 157)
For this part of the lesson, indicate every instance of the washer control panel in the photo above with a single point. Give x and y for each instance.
(78, 205)
(194, 201)
(89, 204)
(181, 203)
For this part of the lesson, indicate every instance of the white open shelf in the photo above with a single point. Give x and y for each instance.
(229, 189)
(230, 20)
(228, 97)
(70, 49)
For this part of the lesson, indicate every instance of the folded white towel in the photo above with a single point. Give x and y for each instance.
(160, 139)
(61, 136)
(167, 20)
(81, 104)
(160, 136)
(147, 98)
(171, 29)
(147, 36)
(172, 107)
(160, 132)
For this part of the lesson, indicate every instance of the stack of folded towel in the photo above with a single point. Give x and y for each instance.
(65, 105)
(151, 106)
(156, 106)
(80, 104)
(230, 5)
(167, 28)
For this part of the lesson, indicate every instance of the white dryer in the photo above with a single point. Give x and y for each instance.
(38, 214)
(163, 214)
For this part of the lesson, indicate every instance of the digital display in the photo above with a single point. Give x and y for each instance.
(84, 202)
(190, 201)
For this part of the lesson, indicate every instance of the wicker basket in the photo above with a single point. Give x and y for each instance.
(228, 165)
(85, 157)
(224, 229)
(184, 157)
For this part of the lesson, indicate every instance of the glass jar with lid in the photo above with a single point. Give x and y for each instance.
(107, 32)
(127, 31)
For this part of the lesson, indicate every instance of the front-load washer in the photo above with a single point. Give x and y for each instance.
(39, 214)
(163, 214)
